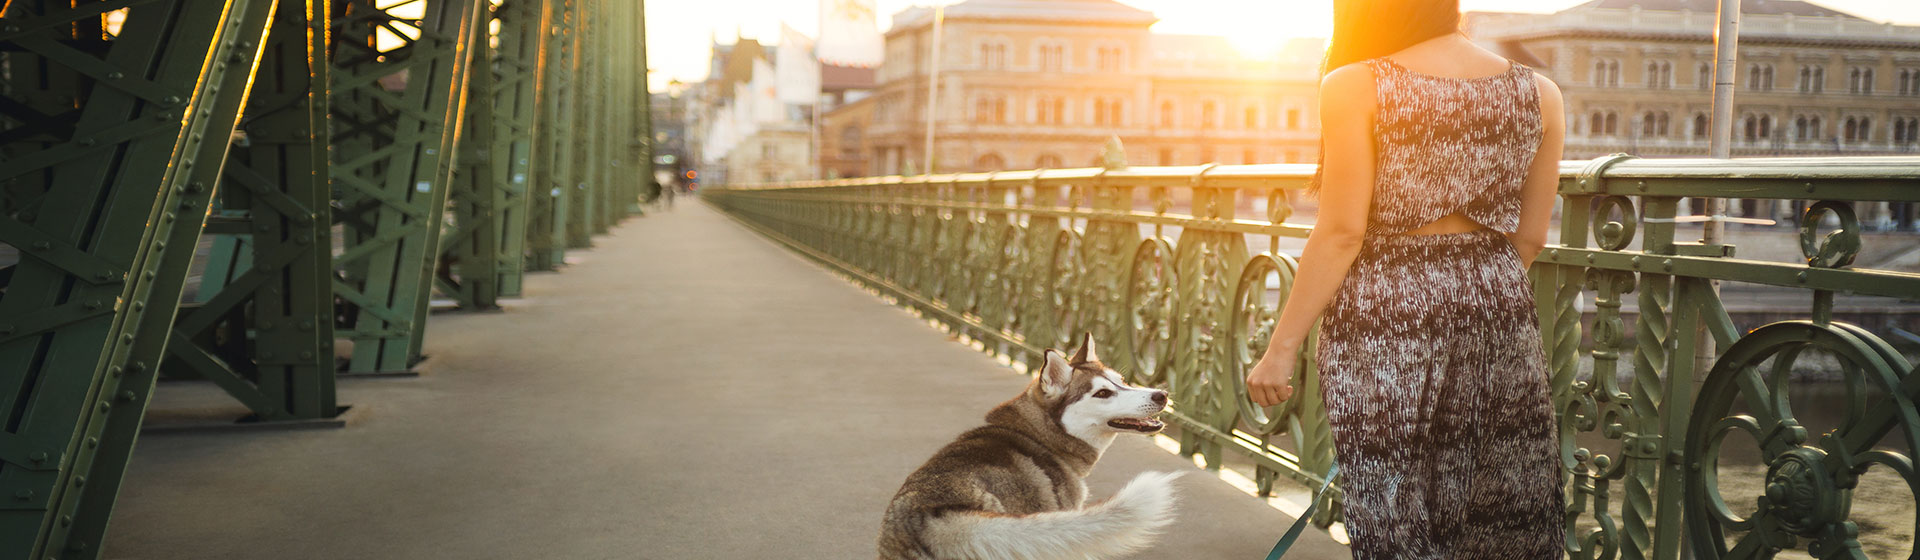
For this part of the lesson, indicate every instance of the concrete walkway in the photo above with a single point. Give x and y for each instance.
(686, 390)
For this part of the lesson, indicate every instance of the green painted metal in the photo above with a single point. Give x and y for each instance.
(115, 134)
(1016, 260)
(581, 151)
(470, 244)
(648, 187)
(262, 327)
(516, 67)
(397, 82)
(553, 146)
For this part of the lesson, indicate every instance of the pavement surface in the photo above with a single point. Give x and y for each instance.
(685, 390)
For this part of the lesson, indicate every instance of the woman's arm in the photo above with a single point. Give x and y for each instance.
(1543, 178)
(1346, 192)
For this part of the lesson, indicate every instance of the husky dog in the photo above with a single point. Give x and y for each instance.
(1013, 489)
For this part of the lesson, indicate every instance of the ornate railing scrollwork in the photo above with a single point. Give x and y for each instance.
(1156, 263)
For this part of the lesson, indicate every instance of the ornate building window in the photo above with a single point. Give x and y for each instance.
(1166, 114)
(1116, 112)
(1860, 80)
(1760, 77)
(1253, 118)
(1909, 81)
(1293, 118)
(1654, 124)
(990, 109)
(1659, 74)
(1048, 161)
(1702, 127)
(1107, 112)
(1757, 127)
(1166, 156)
(1857, 129)
(1209, 114)
(1603, 123)
(1904, 129)
(1053, 57)
(1813, 78)
(1606, 72)
(1806, 128)
(989, 162)
(1109, 59)
(1703, 76)
(993, 55)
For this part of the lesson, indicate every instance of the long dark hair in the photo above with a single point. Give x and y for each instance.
(1366, 29)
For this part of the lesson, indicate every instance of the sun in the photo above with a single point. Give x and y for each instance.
(1258, 28)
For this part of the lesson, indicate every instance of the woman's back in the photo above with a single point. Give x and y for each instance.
(1450, 145)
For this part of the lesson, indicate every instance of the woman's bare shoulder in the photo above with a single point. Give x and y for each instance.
(1351, 79)
(1550, 97)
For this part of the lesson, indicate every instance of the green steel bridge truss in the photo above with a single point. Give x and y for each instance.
(343, 158)
(1156, 260)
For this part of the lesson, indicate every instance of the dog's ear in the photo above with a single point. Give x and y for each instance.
(1086, 353)
(1055, 374)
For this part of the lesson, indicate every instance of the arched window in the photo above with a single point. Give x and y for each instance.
(1293, 119)
(989, 162)
(1703, 76)
(1659, 74)
(1166, 114)
(1813, 127)
(1766, 126)
(1100, 112)
(1253, 118)
(1700, 126)
(1209, 115)
(1597, 123)
(1613, 121)
(1116, 112)
(1053, 57)
(1048, 161)
(1800, 128)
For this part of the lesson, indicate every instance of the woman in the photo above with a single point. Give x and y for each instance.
(1438, 171)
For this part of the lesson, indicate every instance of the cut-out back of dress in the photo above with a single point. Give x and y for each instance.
(1451, 146)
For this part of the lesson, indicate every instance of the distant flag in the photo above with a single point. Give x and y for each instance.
(794, 65)
(849, 35)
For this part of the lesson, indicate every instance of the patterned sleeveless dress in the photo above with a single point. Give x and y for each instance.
(1432, 366)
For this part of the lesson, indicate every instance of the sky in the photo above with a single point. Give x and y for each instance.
(680, 31)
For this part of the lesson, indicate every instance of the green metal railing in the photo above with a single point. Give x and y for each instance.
(1022, 260)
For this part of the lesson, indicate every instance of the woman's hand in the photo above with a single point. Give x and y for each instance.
(1271, 380)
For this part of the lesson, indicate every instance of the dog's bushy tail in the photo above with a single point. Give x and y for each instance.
(1124, 523)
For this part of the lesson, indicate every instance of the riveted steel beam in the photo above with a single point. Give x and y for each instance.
(115, 126)
(398, 80)
(553, 139)
(579, 148)
(261, 326)
(516, 79)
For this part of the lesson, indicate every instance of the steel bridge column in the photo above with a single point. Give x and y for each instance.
(470, 255)
(516, 64)
(553, 186)
(579, 145)
(649, 187)
(113, 142)
(393, 95)
(263, 326)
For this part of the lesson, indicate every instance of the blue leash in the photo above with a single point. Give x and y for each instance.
(1293, 533)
